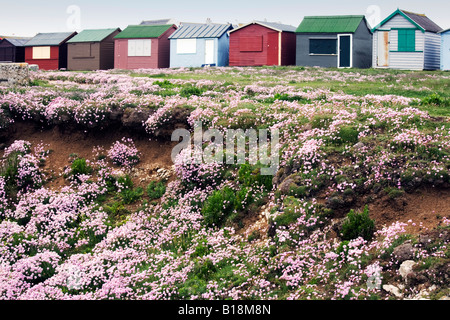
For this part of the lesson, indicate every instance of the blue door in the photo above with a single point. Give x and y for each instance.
(345, 60)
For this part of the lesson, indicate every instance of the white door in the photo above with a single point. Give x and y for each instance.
(383, 49)
(209, 51)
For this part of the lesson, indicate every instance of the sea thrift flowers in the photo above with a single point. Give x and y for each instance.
(124, 153)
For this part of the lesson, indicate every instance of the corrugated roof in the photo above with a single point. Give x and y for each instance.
(92, 35)
(143, 31)
(423, 21)
(329, 24)
(49, 39)
(189, 31)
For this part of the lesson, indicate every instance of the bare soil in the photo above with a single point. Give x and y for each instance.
(154, 154)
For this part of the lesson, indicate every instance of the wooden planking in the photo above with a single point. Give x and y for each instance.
(288, 48)
(432, 50)
(245, 47)
(164, 48)
(397, 21)
(44, 64)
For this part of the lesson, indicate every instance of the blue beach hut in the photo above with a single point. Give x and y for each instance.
(198, 45)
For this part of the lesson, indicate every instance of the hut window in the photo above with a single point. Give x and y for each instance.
(186, 45)
(140, 48)
(407, 40)
(41, 52)
(322, 46)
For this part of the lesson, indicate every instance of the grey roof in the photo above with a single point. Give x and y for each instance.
(423, 21)
(272, 25)
(278, 26)
(444, 31)
(159, 22)
(18, 42)
(49, 39)
(192, 30)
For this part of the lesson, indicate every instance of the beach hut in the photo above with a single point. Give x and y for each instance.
(262, 44)
(92, 50)
(197, 45)
(48, 50)
(12, 49)
(143, 46)
(334, 41)
(406, 40)
(445, 49)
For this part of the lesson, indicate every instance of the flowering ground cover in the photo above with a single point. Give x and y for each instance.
(358, 149)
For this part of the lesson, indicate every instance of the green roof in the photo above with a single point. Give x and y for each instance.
(329, 24)
(143, 31)
(92, 35)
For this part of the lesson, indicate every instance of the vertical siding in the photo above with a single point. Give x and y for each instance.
(288, 42)
(164, 48)
(445, 51)
(44, 64)
(375, 49)
(223, 50)
(362, 47)
(107, 52)
(7, 52)
(432, 51)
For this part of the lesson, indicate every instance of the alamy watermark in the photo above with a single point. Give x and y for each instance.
(232, 146)
(73, 22)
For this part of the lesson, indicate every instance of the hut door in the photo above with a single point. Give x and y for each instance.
(272, 49)
(209, 51)
(383, 49)
(345, 51)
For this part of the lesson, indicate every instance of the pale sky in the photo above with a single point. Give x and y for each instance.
(29, 17)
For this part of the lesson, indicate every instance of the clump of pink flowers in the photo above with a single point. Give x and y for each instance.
(124, 153)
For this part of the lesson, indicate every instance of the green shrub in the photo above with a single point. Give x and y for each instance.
(249, 176)
(436, 99)
(131, 195)
(347, 134)
(80, 166)
(218, 206)
(358, 224)
(156, 190)
(166, 84)
(190, 90)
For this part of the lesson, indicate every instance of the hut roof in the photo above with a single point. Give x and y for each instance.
(190, 31)
(143, 31)
(330, 24)
(92, 35)
(271, 25)
(420, 20)
(49, 39)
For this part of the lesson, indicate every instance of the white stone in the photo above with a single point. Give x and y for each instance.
(406, 268)
(392, 289)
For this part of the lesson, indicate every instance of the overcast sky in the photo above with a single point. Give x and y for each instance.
(28, 17)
